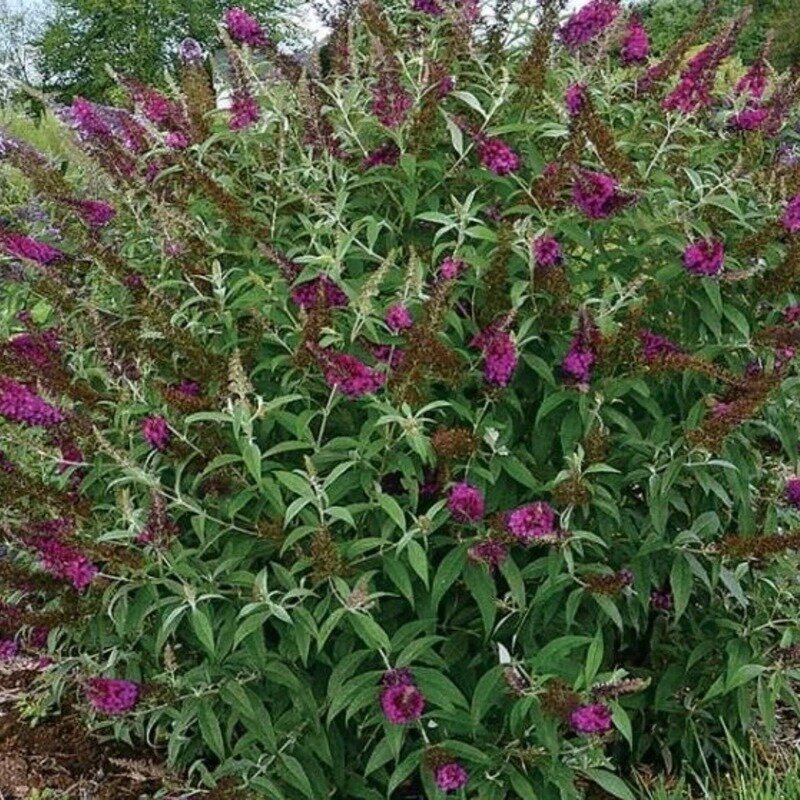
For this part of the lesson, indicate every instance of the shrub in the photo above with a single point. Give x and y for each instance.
(405, 423)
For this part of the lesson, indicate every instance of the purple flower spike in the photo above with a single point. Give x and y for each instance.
(704, 257)
(156, 433)
(451, 777)
(466, 503)
(591, 719)
(112, 696)
(244, 28)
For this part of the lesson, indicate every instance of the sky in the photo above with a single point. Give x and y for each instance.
(306, 16)
(309, 20)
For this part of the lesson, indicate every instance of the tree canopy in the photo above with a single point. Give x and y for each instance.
(667, 19)
(136, 37)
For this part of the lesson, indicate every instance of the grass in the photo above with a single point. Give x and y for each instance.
(45, 134)
(749, 778)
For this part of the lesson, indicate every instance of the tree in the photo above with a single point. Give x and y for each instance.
(668, 19)
(18, 28)
(135, 37)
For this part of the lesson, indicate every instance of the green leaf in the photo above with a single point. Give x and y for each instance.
(450, 568)
(521, 785)
(622, 722)
(516, 583)
(551, 403)
(370, 632)
(439, 689)
(612, 783)
(209, 728)
(380, 756)
(594, 657)
(251, 456)
(392, 508)
(489, 686)
(201, 625)
(680, 580)
(556, 649)
(456, 135)
(418, 559)
(745, 673)
(296, 775)
(481, 586)
(250, 624)
(609, 609)
(416, 648)
(297, 484)
(520, 473)
(403, 770)
(398, 575)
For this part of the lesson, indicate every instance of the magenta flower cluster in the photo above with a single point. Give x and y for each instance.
(574, 98)
(693, 90)
(402, 702)
(112, 696)
(582, 354)
(36, 347)
(348, 374)
(9, 649)
(466, 503)
(322, 290)
(749, 119)
(497, 156)
(451, 777)
(591, 719)
(430, 7)
(244, 111)
(547, 251)
(500, 355)
(398, 318)
(598, 194)
(190, 51)
(655, 346)
(704, 257)
(790, 219)
(88, 121)
(636, 43)
(64, 562)
(18, 245)
(451, 268)
(792, 491)
(489, 552)
(588, 23)
(156, 432)
(532, 521)
(387, 155)
(661, 599)
(244, 28)
(390, 101)
(754, 81)
(19, 404)
(95, 213)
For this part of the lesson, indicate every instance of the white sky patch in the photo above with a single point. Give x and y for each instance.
(310, 22)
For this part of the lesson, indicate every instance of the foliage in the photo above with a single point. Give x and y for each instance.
(361, 410)
(83, 37)
(669, 19)
(749, 778)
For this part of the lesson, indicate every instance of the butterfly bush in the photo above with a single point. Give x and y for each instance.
(421, 422)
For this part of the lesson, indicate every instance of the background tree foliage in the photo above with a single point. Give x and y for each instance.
(139, 37)
(668, 19)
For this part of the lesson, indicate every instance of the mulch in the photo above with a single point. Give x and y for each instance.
(61, 755)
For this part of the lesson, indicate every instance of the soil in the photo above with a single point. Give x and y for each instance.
(61, 755)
